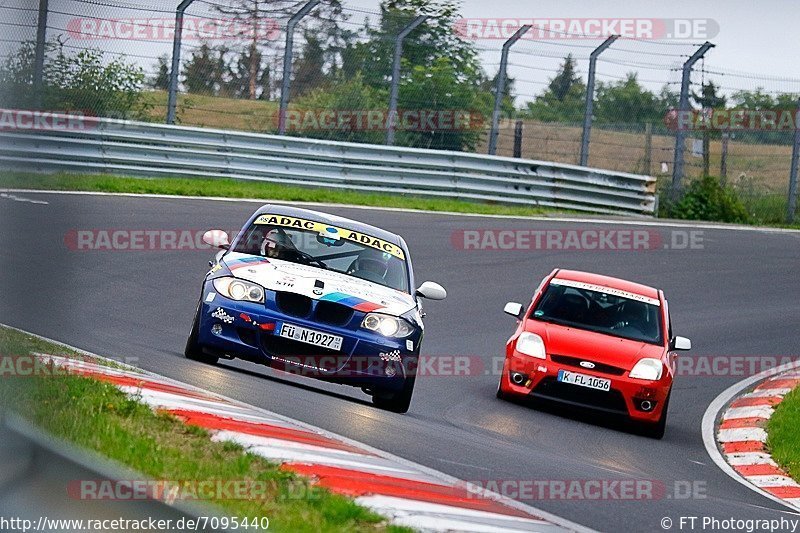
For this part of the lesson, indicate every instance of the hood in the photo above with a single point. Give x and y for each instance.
(592, 346)
(319, 284)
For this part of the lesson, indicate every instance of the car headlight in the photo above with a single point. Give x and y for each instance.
(239, 290)
(386, 325)
(648, 368)
(531, 344)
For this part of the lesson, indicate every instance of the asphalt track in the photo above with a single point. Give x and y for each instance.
(735, 296)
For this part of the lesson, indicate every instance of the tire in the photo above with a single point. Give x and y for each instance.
(396, 402)
(500, 395)
(193, 350)
(657, 430)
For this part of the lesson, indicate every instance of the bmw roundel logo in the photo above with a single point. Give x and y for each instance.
(587, 364)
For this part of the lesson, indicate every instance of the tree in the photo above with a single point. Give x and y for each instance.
(261, 29)
(626, 101)
(239, 73)
(564, 99)
(709, 101)
(161, 80)
(561, 85)
(308, 69)
(205, 71)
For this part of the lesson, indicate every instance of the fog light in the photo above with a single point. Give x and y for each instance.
(216, 329)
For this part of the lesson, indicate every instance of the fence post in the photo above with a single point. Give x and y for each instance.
(395, 87)
(518, 127)
(648, 148)
(589, 111)
(38, 61)
(500, 86)
(683, 108)
(792, 207)
(286, 83)
(172, 94)
(723, 164)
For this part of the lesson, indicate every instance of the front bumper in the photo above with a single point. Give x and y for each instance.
(639, 400)
(249, 331)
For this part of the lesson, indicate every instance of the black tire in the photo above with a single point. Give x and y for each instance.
(396, 402)
(193, 350)
(499, 394)
(657, 430)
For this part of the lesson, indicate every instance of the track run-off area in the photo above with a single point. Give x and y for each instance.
(733, 292)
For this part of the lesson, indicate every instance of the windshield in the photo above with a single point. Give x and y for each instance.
(330, 248)
(606, 311)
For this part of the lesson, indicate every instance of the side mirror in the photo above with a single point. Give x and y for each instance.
(681, 343)
(216, 238)
(514, 309)
(432, 291)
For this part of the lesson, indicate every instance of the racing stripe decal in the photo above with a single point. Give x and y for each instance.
(406, 494)
(351, 301)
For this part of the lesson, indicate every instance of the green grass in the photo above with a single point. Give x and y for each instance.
(783, 434)
(230, 188)
(100, 418)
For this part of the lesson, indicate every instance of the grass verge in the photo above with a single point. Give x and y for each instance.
(99, 417)
(783, 434)
(230, 188)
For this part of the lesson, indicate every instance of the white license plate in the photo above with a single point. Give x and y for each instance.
(309, 336)
(583, 380)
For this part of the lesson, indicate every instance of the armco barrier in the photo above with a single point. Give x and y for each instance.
(144, 149)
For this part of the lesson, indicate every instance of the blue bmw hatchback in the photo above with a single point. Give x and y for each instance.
(317, 295)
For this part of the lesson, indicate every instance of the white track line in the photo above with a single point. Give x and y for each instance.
(555, 218)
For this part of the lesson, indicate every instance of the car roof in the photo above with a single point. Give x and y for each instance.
(333, 220)
(608, 281)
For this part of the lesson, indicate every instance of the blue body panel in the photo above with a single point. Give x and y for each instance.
(250, 331)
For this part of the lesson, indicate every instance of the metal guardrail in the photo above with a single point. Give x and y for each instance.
(144, 149)
(41, 479)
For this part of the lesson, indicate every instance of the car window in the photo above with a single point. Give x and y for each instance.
(307, 248)
(610, 313)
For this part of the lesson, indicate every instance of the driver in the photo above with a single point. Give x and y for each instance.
(278, 245)
(371, 261)
(633, 314)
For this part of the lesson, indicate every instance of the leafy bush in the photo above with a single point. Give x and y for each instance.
(76, 82)
(707, 199)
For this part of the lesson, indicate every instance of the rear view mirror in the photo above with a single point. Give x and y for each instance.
(681, 343)
(216, 238)
(432, 291)
(514, 309)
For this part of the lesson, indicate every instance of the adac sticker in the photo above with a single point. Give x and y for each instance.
(332, 232)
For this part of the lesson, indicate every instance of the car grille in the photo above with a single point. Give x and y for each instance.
(333, 313)
(552, 389)
(301, 306)
(293, 304)
(576, 363)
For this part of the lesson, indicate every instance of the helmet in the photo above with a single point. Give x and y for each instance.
(277, 244)
(371, 261)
